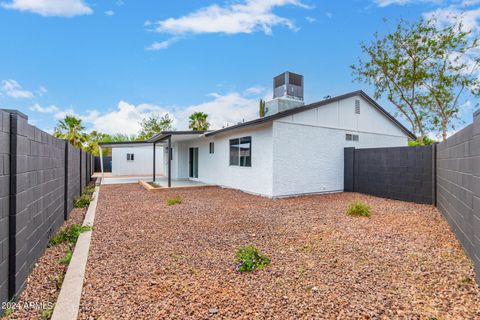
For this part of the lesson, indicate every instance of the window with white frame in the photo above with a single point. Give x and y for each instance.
(130, 156)
(241, 152)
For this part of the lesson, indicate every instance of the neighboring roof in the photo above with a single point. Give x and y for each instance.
(312, 106)
(123, 143)
(161, 136)
(164, 134)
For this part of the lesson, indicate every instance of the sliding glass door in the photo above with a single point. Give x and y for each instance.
(193, 162)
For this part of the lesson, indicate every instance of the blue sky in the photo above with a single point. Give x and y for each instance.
(113, 62)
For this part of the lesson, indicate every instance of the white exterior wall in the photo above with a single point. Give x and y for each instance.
(215, 168)
(308, 147)
(142, 165)
(297, 154)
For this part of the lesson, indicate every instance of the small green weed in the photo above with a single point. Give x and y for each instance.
(69, 234)
(249, 258)
(47, 312)
(89, 189)
(358, 209)
(7, 312)
(83, 201)
(66, 258)
(58, 280)
(174, 201)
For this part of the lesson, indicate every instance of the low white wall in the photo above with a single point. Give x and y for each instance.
(142, 165)
(309, 159)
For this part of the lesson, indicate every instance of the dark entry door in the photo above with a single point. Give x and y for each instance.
(193, 161)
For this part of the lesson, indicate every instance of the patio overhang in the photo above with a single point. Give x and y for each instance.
(177, 136)
(164, 138)
(170, 137)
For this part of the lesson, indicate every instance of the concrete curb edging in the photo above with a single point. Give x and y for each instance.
(68, 301)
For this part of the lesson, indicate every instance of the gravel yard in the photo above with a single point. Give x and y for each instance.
(149, 260)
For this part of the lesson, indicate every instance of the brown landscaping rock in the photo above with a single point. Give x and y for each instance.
(153, 261)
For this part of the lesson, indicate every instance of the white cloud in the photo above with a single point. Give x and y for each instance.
(59, 8)
(13, 89)
(61, 114)
(162, 44)
(329, 15)
(310, 19)
(41, 91)
(254, 91)
(223, 110)
(451, 14)
(385, 3)
(124, 119)
(467, 3)
(50, 109)
(109, 13)
(248, 16)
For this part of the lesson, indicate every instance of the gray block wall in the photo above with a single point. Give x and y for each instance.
(4, 201)
(73, 176)
(458, 187)
(401, 173)
(37, 196)
(83, 169)
(39, 178)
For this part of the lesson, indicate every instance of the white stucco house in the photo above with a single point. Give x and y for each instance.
(136, 159)
(294, 149)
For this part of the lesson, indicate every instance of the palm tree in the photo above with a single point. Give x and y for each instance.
(198, 121)
(71, 129)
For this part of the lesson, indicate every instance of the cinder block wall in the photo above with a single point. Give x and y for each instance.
(73, 176)
(402, 173)
(37, 193)
(458, 187)
(34, 198)
(83, 169)
(4, 201)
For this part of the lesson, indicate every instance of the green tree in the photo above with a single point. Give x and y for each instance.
(153, 125)
(262, 108)
(71, 129)
(198, 121)
(422, 70)
(92, 140)
(120, 137)
(395, 65)
(452, 74)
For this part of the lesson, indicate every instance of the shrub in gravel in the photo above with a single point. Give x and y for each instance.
(89, 189)
(358, 209)
(83, 201)
(66, 258)
(174, 201)
(69, 234)
(249, 258)
(47, 313)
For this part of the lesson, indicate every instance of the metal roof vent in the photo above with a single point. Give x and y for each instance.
(287, 93)
(288, 84)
